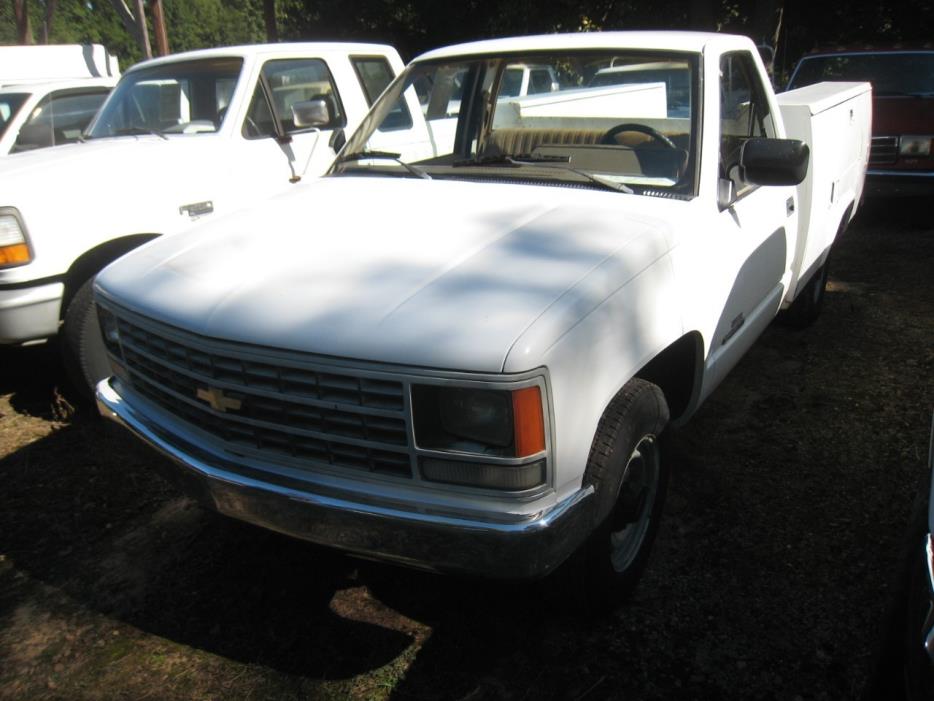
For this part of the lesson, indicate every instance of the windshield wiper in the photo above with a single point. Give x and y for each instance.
(136, 131)
(386, 156)
(552, 162)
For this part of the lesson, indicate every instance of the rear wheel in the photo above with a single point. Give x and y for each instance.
(809, 302)
(83, 351)
(630, 480)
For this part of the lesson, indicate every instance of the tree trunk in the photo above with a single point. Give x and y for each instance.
(23, 27)
(158, 26)
(135, 24)
(50, 6)
(764, 21)
(142, 32)
(269, 14)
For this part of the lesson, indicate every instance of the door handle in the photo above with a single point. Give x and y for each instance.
(790, 206)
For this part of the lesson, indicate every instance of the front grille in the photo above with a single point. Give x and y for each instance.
(304, 415)
(884, 150)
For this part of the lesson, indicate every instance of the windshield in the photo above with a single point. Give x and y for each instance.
(895, 73)
(476, 118)
(188, 97)
(9, 106)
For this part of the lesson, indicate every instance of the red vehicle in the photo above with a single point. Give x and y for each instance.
(901, 161)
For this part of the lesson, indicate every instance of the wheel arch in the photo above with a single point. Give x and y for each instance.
(94, 260)
(678, 370)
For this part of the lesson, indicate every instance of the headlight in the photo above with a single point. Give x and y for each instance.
(505, 423)
(507, 427)
(915, 145)
(14, 248)
(110, 331)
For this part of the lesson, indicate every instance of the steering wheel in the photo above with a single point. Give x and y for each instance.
(610, 136)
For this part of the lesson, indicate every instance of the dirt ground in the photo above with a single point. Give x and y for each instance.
(771, 577)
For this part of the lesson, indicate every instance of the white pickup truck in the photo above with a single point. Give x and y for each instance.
(459, 350)
(180, 139)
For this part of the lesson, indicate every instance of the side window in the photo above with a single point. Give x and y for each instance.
(286, 82)
(59, 118)
(375, 74)
(744, 113)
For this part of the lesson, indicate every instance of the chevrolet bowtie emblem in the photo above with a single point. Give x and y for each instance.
(217, 400)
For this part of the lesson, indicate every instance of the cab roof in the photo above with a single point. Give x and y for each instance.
(694, 42)
(312, 48)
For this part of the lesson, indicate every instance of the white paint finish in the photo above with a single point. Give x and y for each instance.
(108, 188)
(33, 64)
(375, 285)
(638, 100)
(833, 118)
(692, 42)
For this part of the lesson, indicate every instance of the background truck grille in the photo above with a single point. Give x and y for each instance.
(884, 150)
(297, 414)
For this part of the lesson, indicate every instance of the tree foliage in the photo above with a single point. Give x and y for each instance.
(414, 26)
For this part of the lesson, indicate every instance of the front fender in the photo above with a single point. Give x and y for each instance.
(591, 356)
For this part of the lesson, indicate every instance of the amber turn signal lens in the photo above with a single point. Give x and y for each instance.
(528, 421)
(17, 254)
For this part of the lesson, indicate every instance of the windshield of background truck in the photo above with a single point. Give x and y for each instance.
(461, 118)
(891, 73)
(9, 106)
(188, 97)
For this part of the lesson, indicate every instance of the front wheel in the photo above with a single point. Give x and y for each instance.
(630, 480)
(83, 351)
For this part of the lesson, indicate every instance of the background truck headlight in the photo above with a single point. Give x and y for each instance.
(14, 248)
(915, 145)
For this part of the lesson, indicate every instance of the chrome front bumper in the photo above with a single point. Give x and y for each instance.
(523, 547)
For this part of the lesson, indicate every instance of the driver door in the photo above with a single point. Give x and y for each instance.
(757, 225)
(273, 150)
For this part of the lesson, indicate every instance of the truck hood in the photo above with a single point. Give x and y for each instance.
(441, 274)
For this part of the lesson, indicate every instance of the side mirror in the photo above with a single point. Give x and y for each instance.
(311, 113)
(726, 193)
(774, 161)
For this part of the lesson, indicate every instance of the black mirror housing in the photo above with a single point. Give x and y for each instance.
(774, 161)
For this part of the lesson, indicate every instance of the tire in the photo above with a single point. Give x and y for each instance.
(83, 351)
(808, 304)
(630, 480)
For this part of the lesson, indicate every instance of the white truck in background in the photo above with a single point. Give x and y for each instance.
(464, 360)
(37, 115)
(48, 62)
(180, 139)
(50, 93)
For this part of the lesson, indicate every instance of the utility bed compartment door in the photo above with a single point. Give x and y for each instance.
(834, 119)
